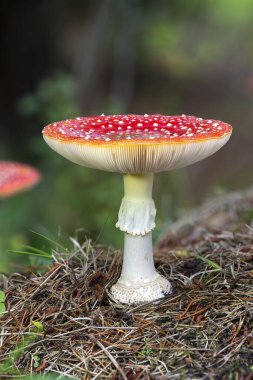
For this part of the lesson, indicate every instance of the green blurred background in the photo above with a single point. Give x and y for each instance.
(67, 58)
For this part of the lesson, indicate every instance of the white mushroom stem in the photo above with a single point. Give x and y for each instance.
(139, 281)
(137, 211)
(138, 263)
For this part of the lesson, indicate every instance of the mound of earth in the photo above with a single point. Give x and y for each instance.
(64, 321)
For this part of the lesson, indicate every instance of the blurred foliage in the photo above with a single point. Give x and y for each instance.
(127, 56)
(53, 98)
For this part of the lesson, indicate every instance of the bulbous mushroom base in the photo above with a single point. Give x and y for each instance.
(137, 293)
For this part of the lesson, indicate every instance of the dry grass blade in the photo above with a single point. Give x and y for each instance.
(113, 360)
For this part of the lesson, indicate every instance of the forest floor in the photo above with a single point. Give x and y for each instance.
(64, 321)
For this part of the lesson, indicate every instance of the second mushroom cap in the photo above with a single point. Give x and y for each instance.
(16, 177)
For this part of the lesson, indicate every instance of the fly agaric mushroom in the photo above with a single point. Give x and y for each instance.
(16, 177)
(137, 146)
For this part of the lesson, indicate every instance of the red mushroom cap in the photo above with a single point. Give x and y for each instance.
(136, 143)
(136, 128)
(16, 177)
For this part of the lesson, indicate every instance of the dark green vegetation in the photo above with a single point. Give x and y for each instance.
(63, 59)
(202, 331)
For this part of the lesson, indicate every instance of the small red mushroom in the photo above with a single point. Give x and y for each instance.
(137, 146)
(16, 177)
